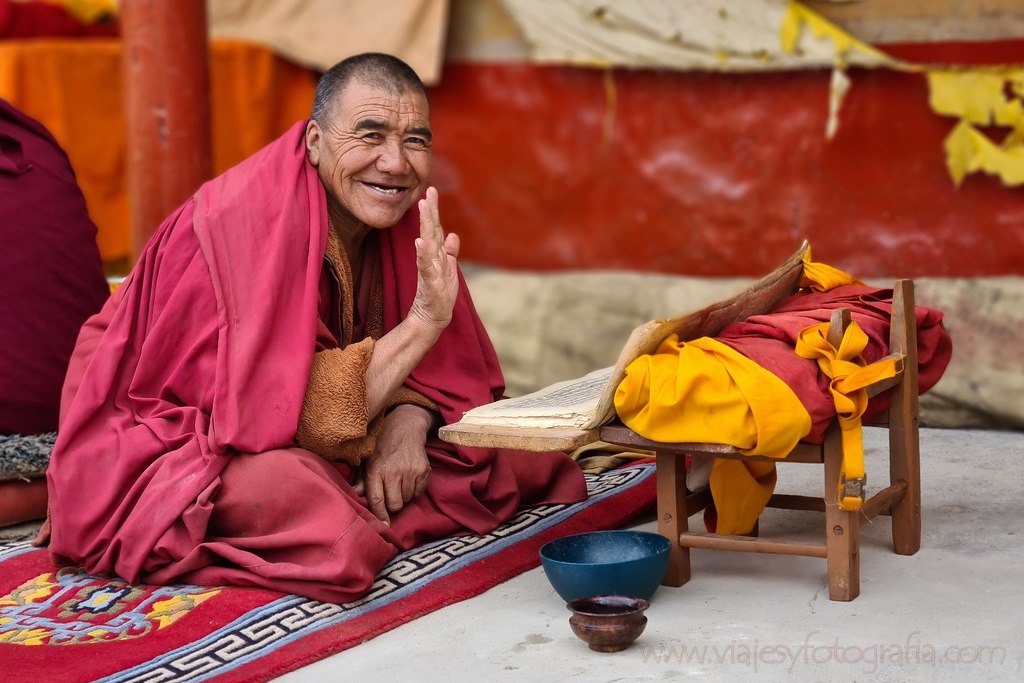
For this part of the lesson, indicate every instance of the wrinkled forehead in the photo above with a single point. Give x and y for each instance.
(399, 108)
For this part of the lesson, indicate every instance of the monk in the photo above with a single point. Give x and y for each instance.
(51, 276)
(258, 404)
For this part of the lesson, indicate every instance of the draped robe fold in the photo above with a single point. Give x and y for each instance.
(183, 397)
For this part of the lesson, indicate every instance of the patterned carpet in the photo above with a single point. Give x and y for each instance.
(64, 625)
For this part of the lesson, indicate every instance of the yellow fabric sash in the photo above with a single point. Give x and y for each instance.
(822, 277)
(703, 391)
(849, 379)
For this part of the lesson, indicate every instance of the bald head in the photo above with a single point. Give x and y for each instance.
(375, 69)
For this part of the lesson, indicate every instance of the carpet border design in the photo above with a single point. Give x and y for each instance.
(252, 647)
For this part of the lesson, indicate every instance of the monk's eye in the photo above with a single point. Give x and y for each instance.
(373, 137)
(417, 142)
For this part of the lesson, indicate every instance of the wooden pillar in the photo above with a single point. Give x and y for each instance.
(167, 108)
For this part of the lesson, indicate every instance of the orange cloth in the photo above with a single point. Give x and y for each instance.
(702, 391)
(705, 392)
(740, 489)
(822, 277)
(73, 87)
(850, 377)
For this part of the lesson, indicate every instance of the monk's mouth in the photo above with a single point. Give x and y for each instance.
(386, 189)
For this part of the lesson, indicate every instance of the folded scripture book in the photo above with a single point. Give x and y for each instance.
(584, 404)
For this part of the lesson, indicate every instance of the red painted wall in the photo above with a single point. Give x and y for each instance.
(551, 167)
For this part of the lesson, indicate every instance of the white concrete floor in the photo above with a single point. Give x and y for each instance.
(952, 612)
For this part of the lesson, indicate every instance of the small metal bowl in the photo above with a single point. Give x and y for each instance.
(608, 623)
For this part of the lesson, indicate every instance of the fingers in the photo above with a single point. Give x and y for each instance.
(424, 262)
(437, 263)
(452, 244)
(393, 498)
(434, 239)
(430, 244)
(406, 489)
(420, 484)
(375, 499)
(435, 213)
(388, 495)
(414, 486)
(430, 220)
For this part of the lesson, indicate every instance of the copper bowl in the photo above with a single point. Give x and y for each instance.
(608, 623)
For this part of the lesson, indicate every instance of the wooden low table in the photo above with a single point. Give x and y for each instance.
(901, 499)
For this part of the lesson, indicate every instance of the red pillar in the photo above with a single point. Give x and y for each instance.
(167, 107)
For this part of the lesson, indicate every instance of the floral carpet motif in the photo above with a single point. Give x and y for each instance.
(61, 624)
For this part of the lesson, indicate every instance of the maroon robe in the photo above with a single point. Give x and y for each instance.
(51, 276)
(770, 339)
(176, 459)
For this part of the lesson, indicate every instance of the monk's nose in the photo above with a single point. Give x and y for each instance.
(392, 158)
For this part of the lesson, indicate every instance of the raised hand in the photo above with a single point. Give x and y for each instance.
(437, 261)
(396, 354)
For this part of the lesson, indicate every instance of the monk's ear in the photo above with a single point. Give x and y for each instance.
(313, 135)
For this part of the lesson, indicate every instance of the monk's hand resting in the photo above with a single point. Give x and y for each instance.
(398, 470)
(437, 263)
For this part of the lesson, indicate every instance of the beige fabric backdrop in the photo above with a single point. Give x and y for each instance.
(320, 33)
(741, 35)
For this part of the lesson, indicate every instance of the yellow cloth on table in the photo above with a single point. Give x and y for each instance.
(706, 392)
(702, 391)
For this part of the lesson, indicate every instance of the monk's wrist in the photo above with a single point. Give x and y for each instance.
(413, 416)
(424, 329)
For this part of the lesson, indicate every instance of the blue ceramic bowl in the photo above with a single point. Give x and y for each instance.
(621, 562)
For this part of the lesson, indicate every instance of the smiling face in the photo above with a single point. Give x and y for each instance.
(372, 153)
